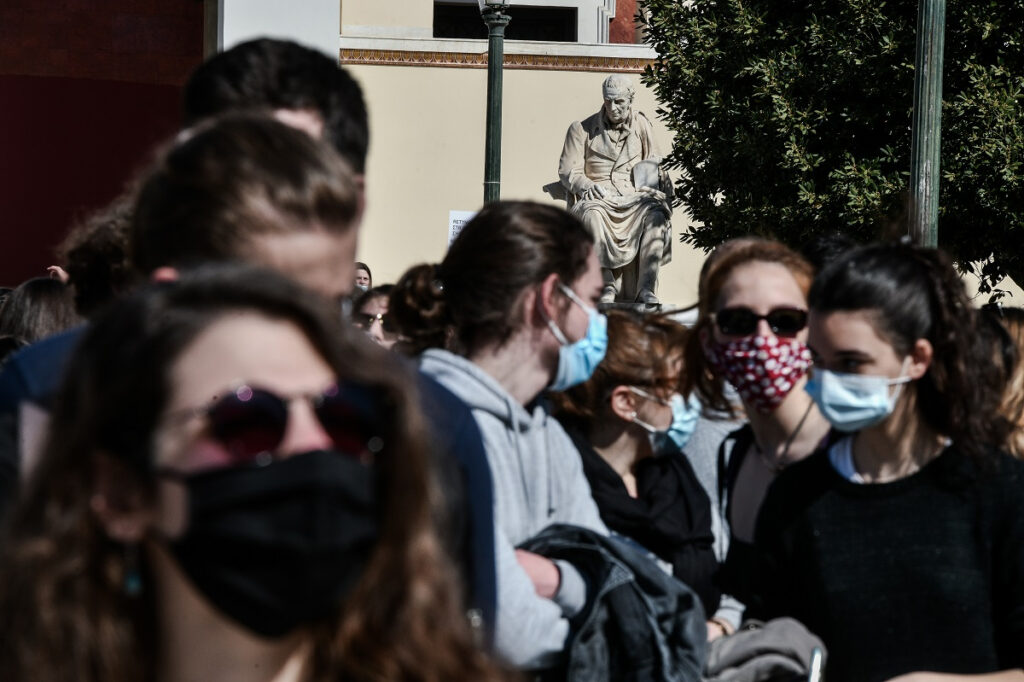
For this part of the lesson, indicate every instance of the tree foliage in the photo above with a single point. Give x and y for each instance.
(793, 119)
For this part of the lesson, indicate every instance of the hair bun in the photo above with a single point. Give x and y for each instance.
(418, 308)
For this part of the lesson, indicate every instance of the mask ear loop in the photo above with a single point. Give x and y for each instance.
(555, 331)
(576, 299)
(900, 381)
(649, 428)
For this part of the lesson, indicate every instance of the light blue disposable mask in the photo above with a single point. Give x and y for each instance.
(685, 414)
(851, 402)
(577, 361)
(684, 420)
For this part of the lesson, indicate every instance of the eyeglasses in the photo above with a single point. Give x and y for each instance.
(742, 321)
(366, 320)
(250, 423)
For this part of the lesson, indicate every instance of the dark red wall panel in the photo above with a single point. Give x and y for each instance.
(87, 88)
(68, 146)
(623, 28)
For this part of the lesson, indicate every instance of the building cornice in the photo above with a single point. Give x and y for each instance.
(519, 54)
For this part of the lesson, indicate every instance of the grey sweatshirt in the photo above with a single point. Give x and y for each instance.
(538, 480)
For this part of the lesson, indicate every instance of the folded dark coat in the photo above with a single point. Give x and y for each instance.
(639, 623)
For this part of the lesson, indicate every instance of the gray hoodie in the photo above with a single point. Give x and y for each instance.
(538, 480)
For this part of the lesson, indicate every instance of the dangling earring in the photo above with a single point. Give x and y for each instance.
(132, 584)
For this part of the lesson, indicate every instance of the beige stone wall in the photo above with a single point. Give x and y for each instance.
(387, 17)
(427, 155)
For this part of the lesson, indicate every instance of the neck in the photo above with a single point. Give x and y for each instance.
(519, 365)
(898, 446)
(198, 643)
(619, 443)
(790, 432)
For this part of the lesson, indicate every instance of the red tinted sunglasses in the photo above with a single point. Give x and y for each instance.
(250, 422)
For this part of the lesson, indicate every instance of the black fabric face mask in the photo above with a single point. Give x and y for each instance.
(279, 546)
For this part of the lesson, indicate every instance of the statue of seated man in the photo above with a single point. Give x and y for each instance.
(609, 167)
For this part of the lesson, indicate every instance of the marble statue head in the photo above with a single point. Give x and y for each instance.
(618, 97)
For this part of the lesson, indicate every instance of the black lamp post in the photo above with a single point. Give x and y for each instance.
(496, 20)
(926, 135)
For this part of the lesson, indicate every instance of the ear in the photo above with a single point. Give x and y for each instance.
(920, 358)
(119, 500)
(623, 403)
(164, 273)
(546, 302)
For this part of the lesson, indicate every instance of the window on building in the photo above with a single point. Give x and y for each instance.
(460, 20)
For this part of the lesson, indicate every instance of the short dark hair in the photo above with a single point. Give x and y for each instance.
(234, 177)
(279, 74)
(383, 291)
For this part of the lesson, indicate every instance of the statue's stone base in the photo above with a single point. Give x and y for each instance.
(635, 307)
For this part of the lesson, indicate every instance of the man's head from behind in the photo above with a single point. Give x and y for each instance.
(288, 78)
(246, 187)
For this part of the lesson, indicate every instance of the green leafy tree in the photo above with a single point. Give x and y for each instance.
(793, 119)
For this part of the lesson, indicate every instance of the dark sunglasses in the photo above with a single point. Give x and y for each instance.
(365, 321)
(250, 423)
(741, 321)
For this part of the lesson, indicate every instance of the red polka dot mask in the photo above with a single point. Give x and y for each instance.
(762, 369)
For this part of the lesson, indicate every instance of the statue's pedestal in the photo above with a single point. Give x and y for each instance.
(685, 316)
(634, 307)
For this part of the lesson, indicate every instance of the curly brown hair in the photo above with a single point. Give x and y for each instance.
(63, 612)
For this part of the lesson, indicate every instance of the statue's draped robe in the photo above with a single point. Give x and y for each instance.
(595, 151)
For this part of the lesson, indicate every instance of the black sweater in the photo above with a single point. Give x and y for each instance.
(923, 573)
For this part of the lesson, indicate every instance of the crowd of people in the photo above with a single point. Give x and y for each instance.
(226, 454)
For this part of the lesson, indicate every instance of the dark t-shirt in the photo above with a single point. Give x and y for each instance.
(923, 573)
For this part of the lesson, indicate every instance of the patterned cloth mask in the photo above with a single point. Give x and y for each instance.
(763, 369)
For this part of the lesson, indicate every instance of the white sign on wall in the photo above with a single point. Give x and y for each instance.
(456, 221)
(315, 25)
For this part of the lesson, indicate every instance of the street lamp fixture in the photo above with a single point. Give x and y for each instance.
(493, 13)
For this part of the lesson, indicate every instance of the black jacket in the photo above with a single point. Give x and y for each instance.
(639, 623)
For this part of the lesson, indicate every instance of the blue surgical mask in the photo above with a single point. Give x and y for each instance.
(684, 420)
(685, 414)
(851, 402)
(577, 361)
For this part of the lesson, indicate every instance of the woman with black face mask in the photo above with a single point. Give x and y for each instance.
(234, 488)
